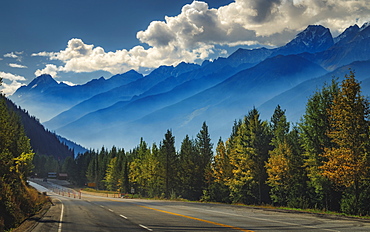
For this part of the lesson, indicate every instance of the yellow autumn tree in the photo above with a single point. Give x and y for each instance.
(347, 163)
(278, 171)
(221, 167)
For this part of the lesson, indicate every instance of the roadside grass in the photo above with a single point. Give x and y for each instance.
(20, 205)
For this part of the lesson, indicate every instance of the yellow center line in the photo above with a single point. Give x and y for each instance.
(198, 219)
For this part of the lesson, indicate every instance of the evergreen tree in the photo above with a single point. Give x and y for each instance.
(313, 133)
(187, 166)
(279, 126)
(70, 167)
(248, 154)
(286, 175)
(169, 160)
(205, 154)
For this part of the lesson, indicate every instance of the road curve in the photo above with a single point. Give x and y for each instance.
(92, 213)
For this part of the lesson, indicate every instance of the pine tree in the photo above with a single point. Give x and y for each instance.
(169, 159)
(248, 152)
(279, 126)
(313, 133)
(187, 166)
(204, 148)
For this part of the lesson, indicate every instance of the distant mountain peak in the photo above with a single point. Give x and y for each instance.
(315, 38)
(43, 80)
(365, 26)
(347, 35)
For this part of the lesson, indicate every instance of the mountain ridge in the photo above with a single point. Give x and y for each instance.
(220, 91)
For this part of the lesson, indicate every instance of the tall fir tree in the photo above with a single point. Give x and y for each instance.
(313, 133)
(248, 154)
(187, 166)
(169, 159)
(204, 148)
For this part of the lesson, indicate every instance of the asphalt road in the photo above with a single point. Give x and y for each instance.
(92, 213)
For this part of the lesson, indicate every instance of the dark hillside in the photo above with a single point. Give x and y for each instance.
(43, 142)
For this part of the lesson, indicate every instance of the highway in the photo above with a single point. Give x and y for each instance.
(94, 213)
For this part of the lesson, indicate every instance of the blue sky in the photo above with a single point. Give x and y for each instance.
(76, 41)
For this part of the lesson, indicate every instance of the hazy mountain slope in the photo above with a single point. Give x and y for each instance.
(312, 39)
(43, 142)
(218, 91)
(140, 107)
(120, 93)
(46, 98)
(219, 105)
(294, 100)
(161, 80)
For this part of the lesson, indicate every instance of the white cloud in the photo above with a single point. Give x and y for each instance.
(68, 83)
(9, 89)
(43, 54)
(14, 55)
(11, 77)
(51, 69)
(194, 34)
(11, 55)
(14, 65)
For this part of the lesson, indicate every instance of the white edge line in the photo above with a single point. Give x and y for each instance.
(61, 217)
(145, 227)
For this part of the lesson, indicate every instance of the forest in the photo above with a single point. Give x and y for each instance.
(321, 162)
(18, 201)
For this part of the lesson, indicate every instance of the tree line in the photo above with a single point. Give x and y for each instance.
(321, 162)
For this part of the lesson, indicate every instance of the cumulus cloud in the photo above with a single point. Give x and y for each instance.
(196, 32)
(51, 69)
(11, 77)
(9, 89)
(14, 65)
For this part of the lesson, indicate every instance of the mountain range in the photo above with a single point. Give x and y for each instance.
(121, 109)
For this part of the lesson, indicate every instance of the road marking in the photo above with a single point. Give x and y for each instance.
(145, 227)
(198, 219)
(123, 216)
(270, 220)
(111, 210)
(256, 218)
(61, 217)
